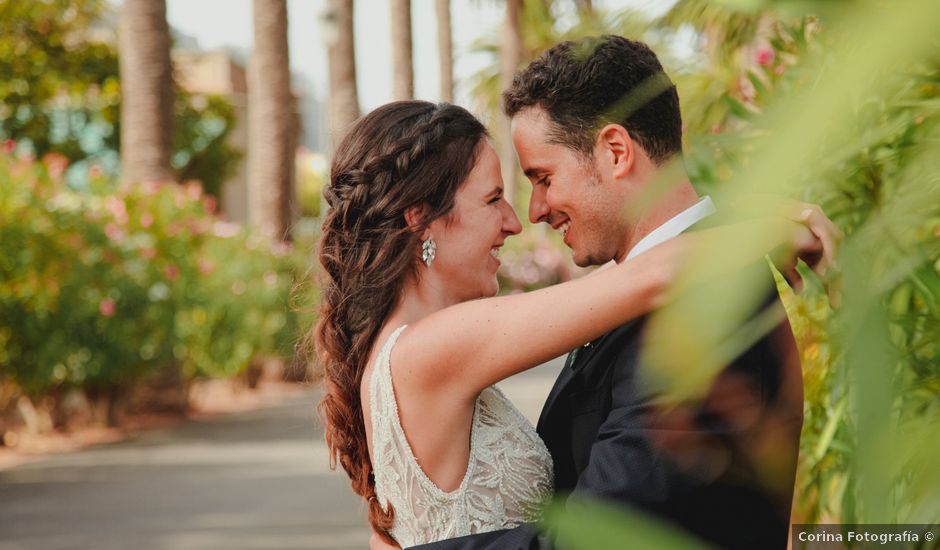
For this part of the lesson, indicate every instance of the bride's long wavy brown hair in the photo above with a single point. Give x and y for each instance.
(404, 154)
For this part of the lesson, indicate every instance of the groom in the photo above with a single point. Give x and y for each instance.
(593, 123)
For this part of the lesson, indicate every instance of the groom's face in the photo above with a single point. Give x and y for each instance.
(570, 192)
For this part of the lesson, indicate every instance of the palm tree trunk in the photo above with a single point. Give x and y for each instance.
(147, 91)
(272, 124)
(344, 101)
(445, 49)
(511, 54)
(402, 69)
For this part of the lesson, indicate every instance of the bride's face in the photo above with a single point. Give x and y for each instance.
(469, 239)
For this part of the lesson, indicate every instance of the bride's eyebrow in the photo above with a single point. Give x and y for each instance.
(495, 192)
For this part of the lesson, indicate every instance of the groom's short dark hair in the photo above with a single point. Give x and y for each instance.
(587, 83)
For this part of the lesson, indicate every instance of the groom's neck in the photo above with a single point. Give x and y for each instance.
(669, 206)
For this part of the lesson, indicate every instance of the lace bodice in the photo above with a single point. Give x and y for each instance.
(509, 474)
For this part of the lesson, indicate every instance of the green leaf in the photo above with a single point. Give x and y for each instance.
(832, 424)
(737, 108)
(758, 84)
(587, 525)
(811, 280)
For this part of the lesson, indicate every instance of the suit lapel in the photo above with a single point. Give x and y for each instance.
(573, 367)
(577, 357)
(567, 373)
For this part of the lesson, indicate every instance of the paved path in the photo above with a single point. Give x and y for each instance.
(254, 480)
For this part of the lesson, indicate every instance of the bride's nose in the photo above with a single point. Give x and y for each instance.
(511, 222)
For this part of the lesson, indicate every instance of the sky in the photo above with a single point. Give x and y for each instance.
(200, 19)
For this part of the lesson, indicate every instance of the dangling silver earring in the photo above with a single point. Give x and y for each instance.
(428, 250)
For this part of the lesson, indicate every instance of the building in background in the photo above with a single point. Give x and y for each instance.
(221, 73)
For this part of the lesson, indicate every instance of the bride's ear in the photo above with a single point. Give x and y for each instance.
(415, 215)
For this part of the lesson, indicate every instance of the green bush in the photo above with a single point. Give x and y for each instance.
(100, 288)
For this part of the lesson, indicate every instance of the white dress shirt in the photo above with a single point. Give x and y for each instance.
(674, 226)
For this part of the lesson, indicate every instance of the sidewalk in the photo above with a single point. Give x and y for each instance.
(257, 479)
(249, 480)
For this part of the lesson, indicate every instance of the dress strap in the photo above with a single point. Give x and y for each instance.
(384, 359)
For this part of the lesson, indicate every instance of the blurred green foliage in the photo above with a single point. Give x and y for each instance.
(871, 367)
(63, 95)
(834, 103)
(102, 287)
(582, 525)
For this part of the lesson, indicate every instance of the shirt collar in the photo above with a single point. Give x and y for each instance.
(674, 226)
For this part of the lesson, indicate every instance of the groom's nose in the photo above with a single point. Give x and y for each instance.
(538, 207)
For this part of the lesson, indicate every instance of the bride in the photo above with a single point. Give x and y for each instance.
(410, 351)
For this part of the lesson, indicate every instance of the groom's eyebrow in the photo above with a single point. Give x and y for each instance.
(532, 172)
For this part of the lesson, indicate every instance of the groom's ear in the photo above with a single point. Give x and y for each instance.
(616, 149)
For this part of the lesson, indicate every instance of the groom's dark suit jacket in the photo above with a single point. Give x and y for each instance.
(721, 468)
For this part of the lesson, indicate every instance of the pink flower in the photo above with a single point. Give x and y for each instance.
(149, 253)
(206, 266)
(193, 190)
(113, 232)
(151, 187)
(197, 227)
(94, 171)
(765, 56)
(118, 209)
(9, 146)
(171, 272)
(716, 129)
(146, 220)
(224, 230)
(56, 163)
(209, 204)
(107, 307)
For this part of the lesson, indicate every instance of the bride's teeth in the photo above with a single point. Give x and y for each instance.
(494, 252)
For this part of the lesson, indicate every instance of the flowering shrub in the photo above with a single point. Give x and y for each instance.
(532, 260)
(100, 288)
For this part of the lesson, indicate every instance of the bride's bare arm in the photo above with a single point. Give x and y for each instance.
(469, 346)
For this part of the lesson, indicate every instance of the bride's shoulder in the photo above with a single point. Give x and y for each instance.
(420, 364)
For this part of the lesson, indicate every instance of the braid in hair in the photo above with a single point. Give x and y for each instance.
(403, 154)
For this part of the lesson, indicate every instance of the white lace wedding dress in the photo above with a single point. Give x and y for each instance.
(509, 474)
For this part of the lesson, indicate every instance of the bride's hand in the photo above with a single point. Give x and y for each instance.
(798, 230)
(816, 241)
(819, 249)
(817, 245)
